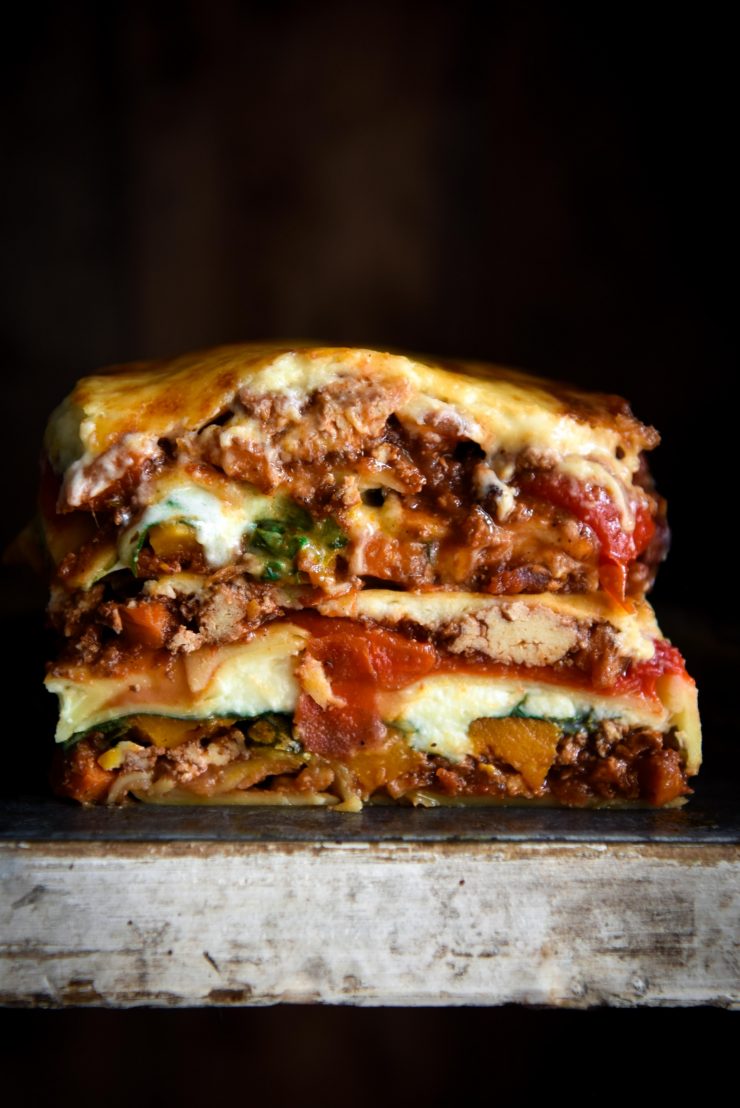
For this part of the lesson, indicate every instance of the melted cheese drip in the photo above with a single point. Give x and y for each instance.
(90, 476)
(487, 480)
(592, 471)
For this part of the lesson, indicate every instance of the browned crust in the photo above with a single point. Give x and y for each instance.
(170, 396)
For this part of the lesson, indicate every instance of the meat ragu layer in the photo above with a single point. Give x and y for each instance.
(612, 763)
(111, 638)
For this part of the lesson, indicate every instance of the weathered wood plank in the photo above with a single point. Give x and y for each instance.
(369, 923)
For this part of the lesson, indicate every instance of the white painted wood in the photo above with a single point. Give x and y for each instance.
(369, 923)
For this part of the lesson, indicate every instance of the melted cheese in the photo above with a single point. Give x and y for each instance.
(487, 480)
(84, 481)
(499, 408)
(595, 471)
(253, 677)
(220, 522)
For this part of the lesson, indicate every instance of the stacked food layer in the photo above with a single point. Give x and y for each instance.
(293, 575)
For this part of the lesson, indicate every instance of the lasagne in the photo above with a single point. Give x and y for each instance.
(332, 576)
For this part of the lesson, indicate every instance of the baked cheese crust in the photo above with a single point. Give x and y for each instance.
(173, 396)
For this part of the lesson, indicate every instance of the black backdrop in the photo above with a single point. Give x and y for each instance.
(516, 182)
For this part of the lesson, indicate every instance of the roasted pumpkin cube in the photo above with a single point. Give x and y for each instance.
(527, 745)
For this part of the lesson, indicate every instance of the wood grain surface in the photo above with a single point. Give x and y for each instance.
(174, 924)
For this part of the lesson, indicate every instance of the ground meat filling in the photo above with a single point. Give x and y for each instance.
(345, 445)
(613, 763)
(106, 636)
(103, 621)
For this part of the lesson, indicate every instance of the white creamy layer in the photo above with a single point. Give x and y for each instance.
(242, 680)
(525, 618)
(436, 713)
(219, 522)
(247, 679)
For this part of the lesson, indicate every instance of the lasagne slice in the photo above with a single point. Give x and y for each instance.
(333, 576)
(384, 696)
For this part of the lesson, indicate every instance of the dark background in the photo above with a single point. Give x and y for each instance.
(536, 184)
(533, 184)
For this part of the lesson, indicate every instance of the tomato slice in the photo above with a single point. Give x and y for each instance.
(644, 528)
(358, 661)
(613, 580)
(593, 505)
(355, 651)
(644, 676)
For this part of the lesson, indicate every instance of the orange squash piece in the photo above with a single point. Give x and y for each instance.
(528, 745)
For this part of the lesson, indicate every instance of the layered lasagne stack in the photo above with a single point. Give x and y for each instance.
(320, 576)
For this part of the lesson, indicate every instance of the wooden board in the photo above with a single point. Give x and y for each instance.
(369, 920)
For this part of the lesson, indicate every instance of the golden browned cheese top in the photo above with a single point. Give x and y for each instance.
(503, 408)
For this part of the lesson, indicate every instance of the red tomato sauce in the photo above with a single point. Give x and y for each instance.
(359, 662)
